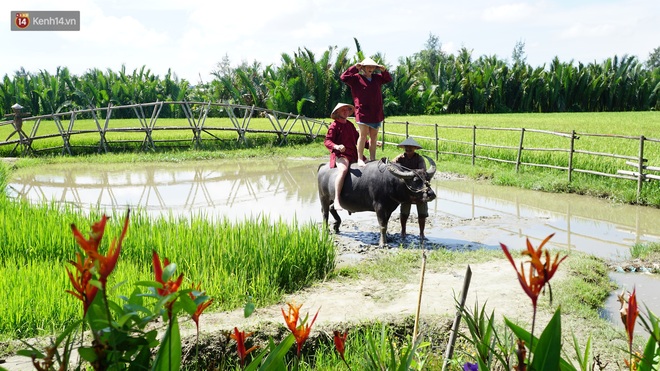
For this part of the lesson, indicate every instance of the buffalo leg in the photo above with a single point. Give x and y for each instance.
(325, 211)
(383, 218)
(335, 215)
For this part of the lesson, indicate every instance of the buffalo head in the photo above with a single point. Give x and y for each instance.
(417, 181)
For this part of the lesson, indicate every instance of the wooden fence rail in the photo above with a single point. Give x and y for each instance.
(642, 174)
(286, 124)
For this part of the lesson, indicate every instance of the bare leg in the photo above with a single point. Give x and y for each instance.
(373, 138)
(422, 224)
(342, 167)
(364, 134)
(404, 220)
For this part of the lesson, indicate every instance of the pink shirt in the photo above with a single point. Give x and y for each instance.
(367, 95)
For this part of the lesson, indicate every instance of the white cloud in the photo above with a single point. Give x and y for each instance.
(508, 12)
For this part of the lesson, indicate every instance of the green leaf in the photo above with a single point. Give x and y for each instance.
(168, 272)
(168, 357)
(188, 304)
(249, 307)
(87, 353)
(646, 363)
(276, 356)
(525, 336)
(547, 352)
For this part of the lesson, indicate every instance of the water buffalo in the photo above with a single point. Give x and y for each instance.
(379, 186)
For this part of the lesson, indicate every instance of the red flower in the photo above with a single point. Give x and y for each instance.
(340, 341)
(105, 264)
(540, 272)
(240, 337)
(629, 315)
(81, 281)
(170, 286)
(201, 307)
(301, 333)
(91, 246)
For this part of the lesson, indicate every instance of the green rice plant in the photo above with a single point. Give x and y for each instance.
(645, 251)
(257, 257)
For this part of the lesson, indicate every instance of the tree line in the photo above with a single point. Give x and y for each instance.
(430, 81)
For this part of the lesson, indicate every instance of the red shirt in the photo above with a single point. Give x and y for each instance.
(342, 133)
(367, 95)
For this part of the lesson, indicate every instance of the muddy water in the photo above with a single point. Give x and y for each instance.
(465, 214)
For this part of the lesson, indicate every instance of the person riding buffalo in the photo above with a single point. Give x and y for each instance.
(341, 140)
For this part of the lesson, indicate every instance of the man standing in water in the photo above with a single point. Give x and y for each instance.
(412, 160)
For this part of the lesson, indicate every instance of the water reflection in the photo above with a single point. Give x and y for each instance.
(508, 215)
(235, 189)
(464, 213)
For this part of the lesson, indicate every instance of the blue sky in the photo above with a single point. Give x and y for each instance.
(192, 36)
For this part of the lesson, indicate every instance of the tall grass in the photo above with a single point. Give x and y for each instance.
(257, 257)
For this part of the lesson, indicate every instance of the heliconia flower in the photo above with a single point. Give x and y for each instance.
(301, 333)
(629, 317)
(340, 342)
(240, 337)
(532, 287)
(105, 263)
(91, 245)
(84, 291)
(170, 286)
(291, 318)
(201, 307)
(548, 269)
(540, 272)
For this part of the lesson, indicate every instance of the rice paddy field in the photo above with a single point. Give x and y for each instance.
(263, 258)
(231, 260)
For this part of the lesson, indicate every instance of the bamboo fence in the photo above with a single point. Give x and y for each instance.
(633, 167)
(642, 172)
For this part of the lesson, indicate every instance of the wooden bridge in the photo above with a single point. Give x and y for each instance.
(59, 128)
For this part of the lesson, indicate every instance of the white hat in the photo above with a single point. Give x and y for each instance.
(340, 105)
(369, 62)
(17, 106)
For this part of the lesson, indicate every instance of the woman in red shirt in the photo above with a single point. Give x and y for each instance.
(365, 87)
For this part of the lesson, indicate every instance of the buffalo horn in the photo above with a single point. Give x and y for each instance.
(431, 170)
(398, 172)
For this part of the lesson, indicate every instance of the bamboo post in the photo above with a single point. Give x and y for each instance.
(419, 298)
(570, 157)
(407, 128)
(520, 148)
(640, 168)
(437, 140)
(457, 320)
(474, 142)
